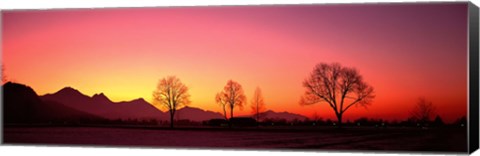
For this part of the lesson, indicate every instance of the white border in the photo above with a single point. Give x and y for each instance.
(81, 151)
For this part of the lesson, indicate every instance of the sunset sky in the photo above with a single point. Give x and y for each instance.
(405, 51)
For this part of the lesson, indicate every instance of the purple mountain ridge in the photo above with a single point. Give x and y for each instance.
(99, 104)
(196, 114)
(282, 115)
(23, 105)
(69, 104)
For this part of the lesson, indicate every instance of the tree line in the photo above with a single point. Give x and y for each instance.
(333, 84)
(338, 86)
(172, 94)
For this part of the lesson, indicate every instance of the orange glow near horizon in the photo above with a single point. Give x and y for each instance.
(403, 51)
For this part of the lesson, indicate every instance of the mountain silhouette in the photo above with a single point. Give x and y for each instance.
(282, 115)
(100, 98)
(23, 105)
(136, 109)
(196, 114)
(101, 105)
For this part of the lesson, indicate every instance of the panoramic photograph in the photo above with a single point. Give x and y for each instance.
(359, 77)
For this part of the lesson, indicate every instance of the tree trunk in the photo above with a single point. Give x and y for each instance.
(339, 117)
(171, 120)
(256, 117)
(225, 113)
(231, 116)
(258, 114)
(231, 113)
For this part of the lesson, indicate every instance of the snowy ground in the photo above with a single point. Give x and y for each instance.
(396, 139)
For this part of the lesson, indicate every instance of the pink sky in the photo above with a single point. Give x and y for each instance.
(405, 51)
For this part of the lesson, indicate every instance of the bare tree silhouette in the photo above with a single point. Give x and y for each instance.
(232, 95)
(222, 101)
(4, 77)
(172, 94)
(340, 87)
(423, 111)
(258, 104)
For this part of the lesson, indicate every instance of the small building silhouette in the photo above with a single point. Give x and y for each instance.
(217, 122)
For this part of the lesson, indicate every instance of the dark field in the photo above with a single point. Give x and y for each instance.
(393, 139)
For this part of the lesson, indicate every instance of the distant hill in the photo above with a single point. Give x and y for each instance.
(282, 115)
(196, 114)
(23, 105)
(100, 105)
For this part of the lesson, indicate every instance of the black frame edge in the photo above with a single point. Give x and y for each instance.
(473, 117)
